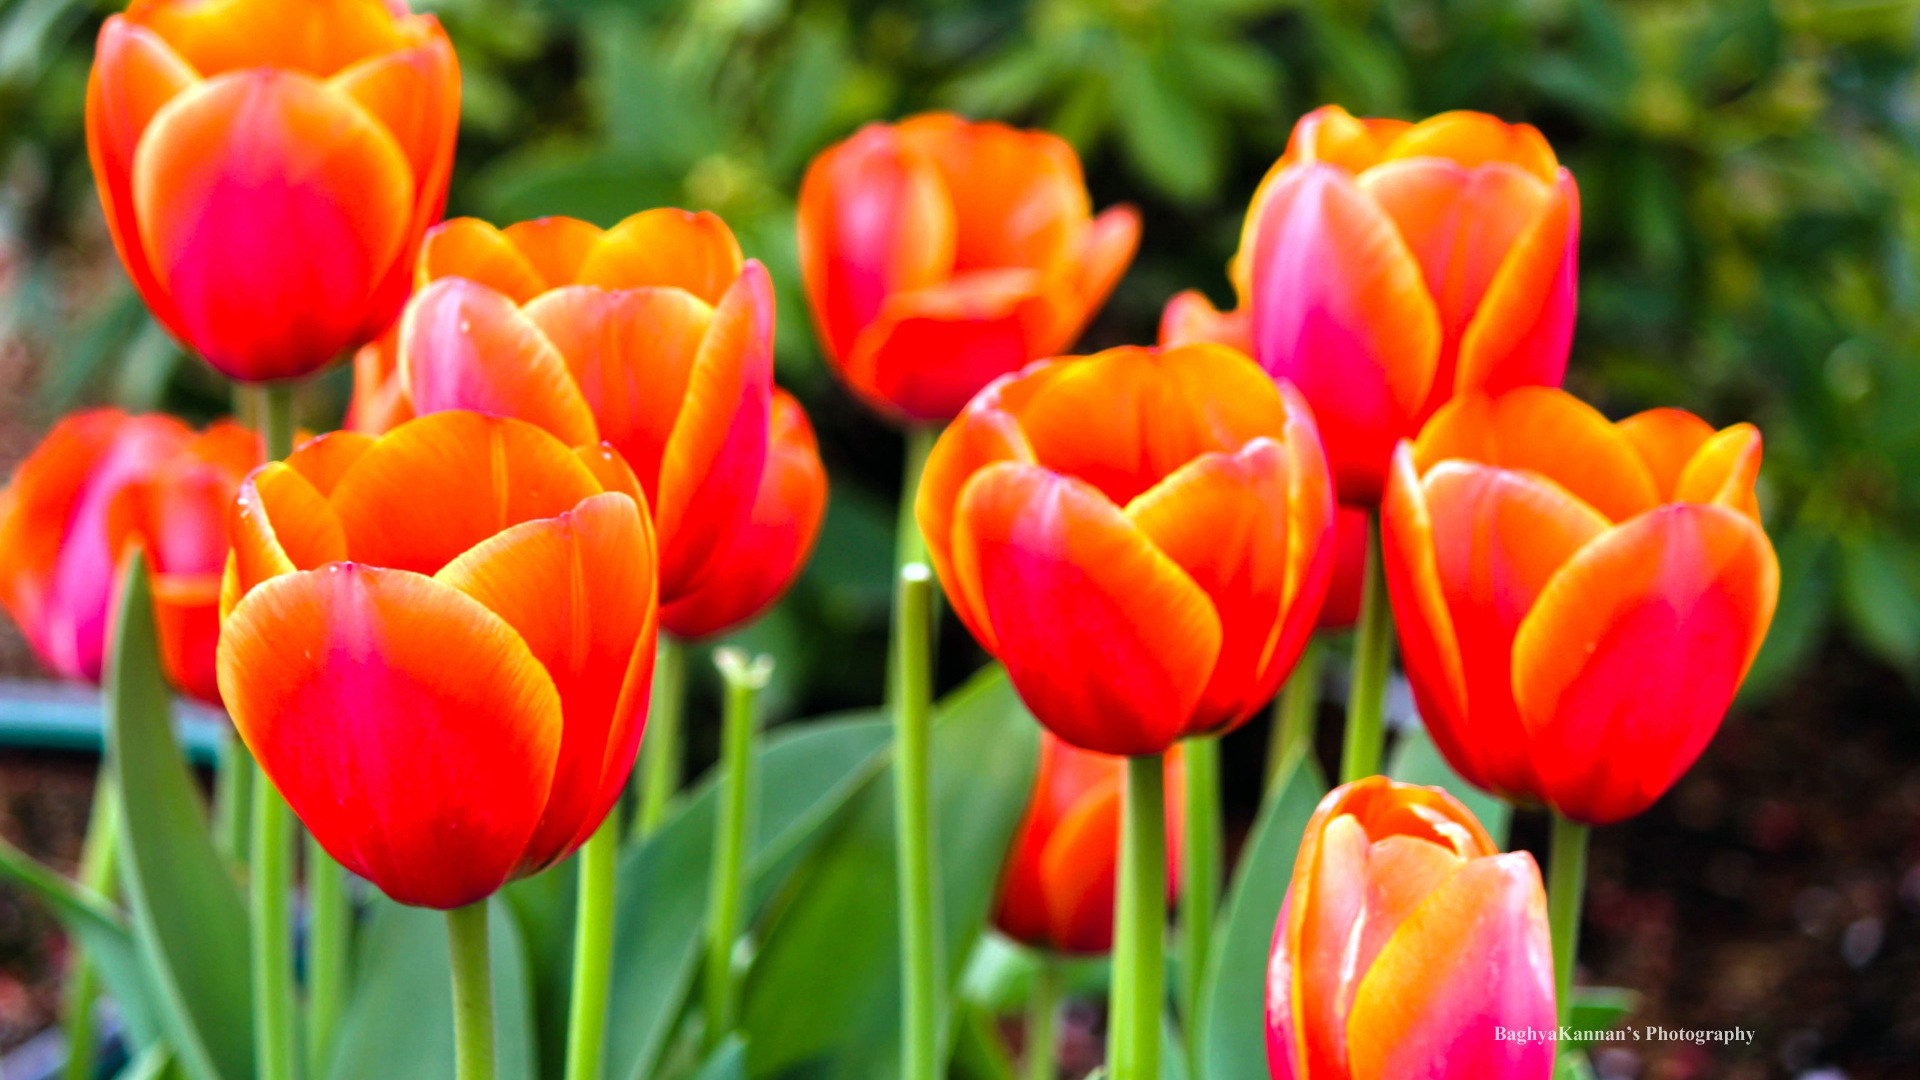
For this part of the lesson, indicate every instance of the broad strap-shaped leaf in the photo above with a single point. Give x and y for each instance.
(1417, 761)
(727, 1062)
(188, 917)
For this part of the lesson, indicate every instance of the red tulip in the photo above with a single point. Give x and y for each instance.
(439, 645)
(1141, 537)
(1057, 891)
(655, 336)
(1386, 267)
(1577, 601)
(101, 481)
(940, 255)
(267, 168)
(1406, 942)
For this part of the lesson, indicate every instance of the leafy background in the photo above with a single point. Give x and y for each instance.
(1750, 173)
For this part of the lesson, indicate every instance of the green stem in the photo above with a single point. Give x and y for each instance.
(660, 750)
(472, 992)
(1372, 660)
(744, 680)
(1202, 884)
(1565, 889)
(592, 953)
(1043, 1008)
(232, 795)
(921, 962)
(271, 861)
(1140, 926)
(274, 413)
(1296, 712)
(329, 947)
(99, 860)
(908, 545)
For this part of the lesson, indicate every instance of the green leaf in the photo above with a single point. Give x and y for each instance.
(1417, 761)
(154, 1063)
(1598, 1008)
(978, 1053)
(188, 917)
(1177, 145)
(399, 1021)
(1232, 1022)
(1882, 604)
(822, 998)
(808, 772)
(727, 1062)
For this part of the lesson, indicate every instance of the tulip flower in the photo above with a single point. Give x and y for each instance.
(1577, 600)
(1141, 536)
(1057, 890)
(1386, 267)
(438, 646)
(1405, 941)
(101, 481)
(654, 336)
(940, 254)
(267, 168)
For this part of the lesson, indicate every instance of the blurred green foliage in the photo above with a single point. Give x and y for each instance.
(1750, 171)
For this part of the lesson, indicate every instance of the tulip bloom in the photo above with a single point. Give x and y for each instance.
(101, 481)
(439, 645)
(1386, 267)
(1406, 939)
(1577, 601)
(267, 168)
(1057, 891)
(940, 254)
(1141, 537)
(654, 336)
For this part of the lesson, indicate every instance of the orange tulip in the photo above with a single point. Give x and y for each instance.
(1406, 942)
(101, 481)
(267, 168)
(655, 336)
(1385, 267)
(1141, 537)
(1577, 600)
(940, 255)
(1057, 891)
(439, 644)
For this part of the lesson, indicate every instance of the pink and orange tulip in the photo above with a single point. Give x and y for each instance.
(940, 254)
(655, 336)
(1405, 941)
(1577, 600)
(1141, 536)
(100, 482)
(439, 643)
(267, 168)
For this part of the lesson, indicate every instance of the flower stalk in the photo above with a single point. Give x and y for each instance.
(472, 992)
(1372, 662)
(1139, 934)
(920, 958)
(744, 680)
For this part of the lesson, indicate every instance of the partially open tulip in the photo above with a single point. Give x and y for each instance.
(267, 168)
(940, 254)
(1577, 600)
(1141, 536)
(100, 482)
(655, 336)
(439, 645)
(1406, 942)
(1057, 891)
(1385, 267)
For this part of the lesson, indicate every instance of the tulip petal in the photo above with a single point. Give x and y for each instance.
(1191, 317)
(1638, 645)
(1524, 325)
(1472, 139)
(666, 248)
(186, 614)
(281, 523)
(410, 728)
(316, 38)
(1724, 472)
(1078, 872)
(581, 590)
(273, 209)
(1018, 196)
(1546, 431)
(473, 249)
(1667, 439)
(556, 247)
(465, 346)
(379, 403)
(1111, 243)
(436, 486)
(325, 459)
(1107, 640)
(929, 351)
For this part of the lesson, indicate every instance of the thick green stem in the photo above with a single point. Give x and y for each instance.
(274, 415)
(329, 946)
(1566, 886)
(1201, 885)
(1297, 711)
(272, 867)
(232, 796)
(99, 861)
(1139, 926)
(472, 992)
(744, 680)
(1043, 1008)
(921, 962)
(592, 953)
(660, 752)
(1372, 660)
(908, 545)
